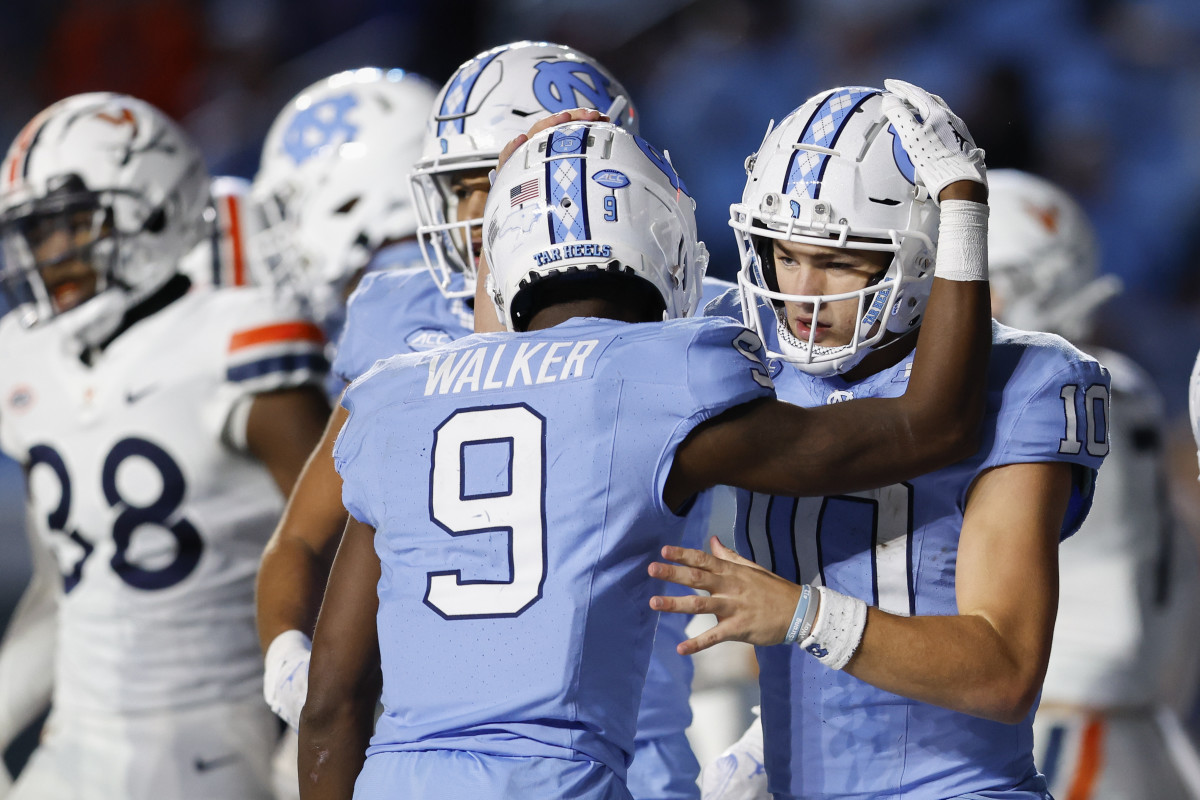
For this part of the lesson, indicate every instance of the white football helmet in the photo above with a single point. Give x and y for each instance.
(121, 185)
(331, 186)
(1042, 257)
(584, 199)
(489, 101)
(833, 173)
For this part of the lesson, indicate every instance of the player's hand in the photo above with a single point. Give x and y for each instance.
(751, 604)
(738, 773)
(562, 117)
(936, 140)
(285, 678)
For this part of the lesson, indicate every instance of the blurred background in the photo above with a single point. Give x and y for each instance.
(1100, 96)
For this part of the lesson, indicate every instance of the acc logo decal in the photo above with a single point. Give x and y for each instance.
(613, 179)
(21, 398)
(838, 396)
(428, 338)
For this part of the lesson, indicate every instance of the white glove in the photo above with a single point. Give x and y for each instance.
(936, 140)
(285, 679)
(6, 781)
(738, 773)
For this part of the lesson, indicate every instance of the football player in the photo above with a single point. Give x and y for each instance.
(1103, 727)
(160, 428)
(903, 632)
(489, 100)
(508, 491)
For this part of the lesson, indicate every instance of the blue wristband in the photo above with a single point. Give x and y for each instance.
(796, 630)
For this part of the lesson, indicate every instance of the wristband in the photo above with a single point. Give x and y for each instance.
(962, 241)
(802, 620)
(841, 620)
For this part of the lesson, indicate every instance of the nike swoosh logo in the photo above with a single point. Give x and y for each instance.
(133, 395)
(204, 765)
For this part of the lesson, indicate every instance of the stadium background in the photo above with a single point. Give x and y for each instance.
(1101, 96)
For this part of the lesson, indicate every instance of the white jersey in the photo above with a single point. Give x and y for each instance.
(1121, 595)
(156, 520)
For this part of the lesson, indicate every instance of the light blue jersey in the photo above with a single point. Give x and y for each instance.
(828, 734)
(515, 532)
(397, 311)
(400, 311)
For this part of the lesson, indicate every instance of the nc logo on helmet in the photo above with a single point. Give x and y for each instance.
(560, 85)
(319, 126)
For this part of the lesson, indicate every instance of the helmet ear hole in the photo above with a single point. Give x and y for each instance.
(156, 222)
(766, 257)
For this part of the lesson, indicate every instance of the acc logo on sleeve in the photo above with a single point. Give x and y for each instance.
(427, 339)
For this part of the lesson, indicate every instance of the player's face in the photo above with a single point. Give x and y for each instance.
(61, 247)
(470, 190)
(808, 269)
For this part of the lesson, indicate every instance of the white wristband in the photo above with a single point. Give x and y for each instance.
(841, 621)
(962, 241)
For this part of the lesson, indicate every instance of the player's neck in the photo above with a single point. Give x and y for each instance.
(558, 313)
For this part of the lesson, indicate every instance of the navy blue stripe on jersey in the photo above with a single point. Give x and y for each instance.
(565, 188)
(454, 102)
(828, 121)
(290, 362)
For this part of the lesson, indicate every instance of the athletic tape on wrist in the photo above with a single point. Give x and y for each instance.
(797, 630)
(962, 241)
(838, 631)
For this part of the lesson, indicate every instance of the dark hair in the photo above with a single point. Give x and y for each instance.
(612, 283)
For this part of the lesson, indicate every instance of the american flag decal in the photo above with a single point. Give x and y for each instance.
(526, 191)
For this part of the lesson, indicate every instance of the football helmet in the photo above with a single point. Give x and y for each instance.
(489, 101)
(833, 173)
(590, 198)
(331, 184)
(104, 194)
(1042, 257)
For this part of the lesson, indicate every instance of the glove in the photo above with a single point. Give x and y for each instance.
(936, 140)
(6, 781)
(285, 679)
(738, 773)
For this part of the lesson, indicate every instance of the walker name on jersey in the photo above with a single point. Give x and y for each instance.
(504, 366)
(572, 251)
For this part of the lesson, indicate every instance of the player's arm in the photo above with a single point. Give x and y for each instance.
(988, 660)
(293, 573)
(283, 427)
(335, 726)
(777, 448)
